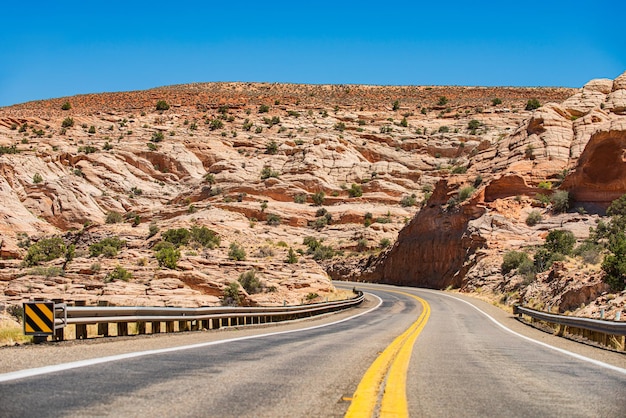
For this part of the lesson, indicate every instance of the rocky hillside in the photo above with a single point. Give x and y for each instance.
(296, 181)
(575, 148)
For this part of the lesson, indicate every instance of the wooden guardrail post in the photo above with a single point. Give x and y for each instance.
(103, 327)
(183, 326)
(169, 326)
(215, 323)
(81, 329)
(155, 327)
(141, 327)
(122, 329)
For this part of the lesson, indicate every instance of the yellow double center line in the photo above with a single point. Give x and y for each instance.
(392, 363)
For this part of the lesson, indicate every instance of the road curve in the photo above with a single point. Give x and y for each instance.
(462, 364)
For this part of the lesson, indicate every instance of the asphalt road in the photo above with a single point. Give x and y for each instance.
(462, 365)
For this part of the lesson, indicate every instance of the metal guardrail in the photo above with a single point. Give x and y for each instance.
(188, 318)
(586, 327)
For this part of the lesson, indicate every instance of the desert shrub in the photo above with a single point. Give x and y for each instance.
(311, 296)
(546, 185)
(118, 273)
(444, 129)
(292, 258)
(113, 217)
(614, 263)
(323, 252)
(273, 219)
(37, 178)
(395, 105)
(162, 105)
(299, 198)
(465, 192)
(544, 199)
(236, 252)
(407, 201)
(356, 190)
(205, 237)
(544, 259)
(151, 146)
(231, 295)
(107, 247)
(473, 125)
(264, 108)
(512, 260)
(249, 281)
(318, 198)
(560, 241)
(267, 172)
(166, 254)
(459, 169)
(45, 250)
(560, 201)
(66, 106)
(68, 122)
(92, 129)
(312, 243)
(533, 218)
(157, 136)
(271, 147)
(178, 237)
(384, 242)
(340, 126)
(8, 150)
(152, 230)
(443, 100)
(496, 101)
(589, 251)
(215, 124)
(532, 104)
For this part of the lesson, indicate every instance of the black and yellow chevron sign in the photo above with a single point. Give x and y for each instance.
(38, 318)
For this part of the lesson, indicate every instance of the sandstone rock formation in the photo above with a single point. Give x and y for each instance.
(266, 165)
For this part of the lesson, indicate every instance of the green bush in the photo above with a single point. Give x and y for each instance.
(37, 178)
(533, 218)
(152, 230)
(614, 264)
(157, 136)
(407, 201)
(443, 100)
(560, 241)
(496, 101)
(178, 237)
(318, 198)
(512, 260)
(113, 218)
(385, 242)
(231, 295)
(66, 106)
(271, 148)
(236, 252)
(46, 249)
(560, 201)
(107, 247)
(299, 198)
(465, 192)
(273, 219)
(292, 258)
(264, 108)
(267, 172)
(68, 122)
(216, 124)
(532, 104)
(166, 254)
(249, 281)
(473, 125)
(118, 273)
(356, 190)
(395, 105)
(162, 105)
(205, 237)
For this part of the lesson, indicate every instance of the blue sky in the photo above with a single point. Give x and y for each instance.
(56, 49)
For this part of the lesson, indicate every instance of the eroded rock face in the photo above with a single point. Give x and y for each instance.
(579, 146)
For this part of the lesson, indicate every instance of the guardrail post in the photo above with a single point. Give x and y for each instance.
(155, 327)
(81, 329)
(169, 326)
(59, 333)
(195, 325)
(103, 328)
(215, 323)
(122, 329)
(206, 324)
(141, 328)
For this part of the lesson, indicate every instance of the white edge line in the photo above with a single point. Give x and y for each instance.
(560, 350)
(21, 374)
